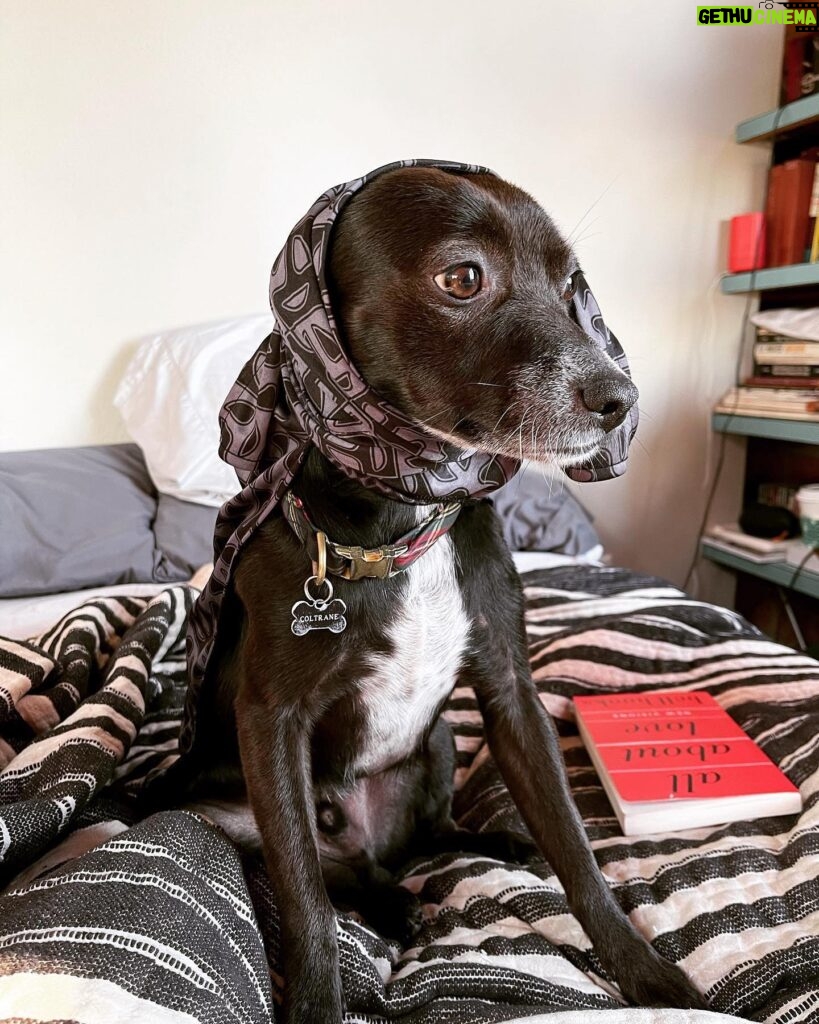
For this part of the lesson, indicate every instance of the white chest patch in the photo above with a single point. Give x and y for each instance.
(429, 637)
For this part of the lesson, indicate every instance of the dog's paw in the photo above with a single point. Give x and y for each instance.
(311, 1013)
(395, 914)
(648, 980)
(522, 849)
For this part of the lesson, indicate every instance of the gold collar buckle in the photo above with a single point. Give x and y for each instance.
(372, 562)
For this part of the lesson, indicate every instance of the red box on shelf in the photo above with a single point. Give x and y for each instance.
(746, 246)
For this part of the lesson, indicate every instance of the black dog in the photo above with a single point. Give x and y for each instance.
(453, 296)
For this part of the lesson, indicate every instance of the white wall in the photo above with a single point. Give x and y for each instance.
(154, 154)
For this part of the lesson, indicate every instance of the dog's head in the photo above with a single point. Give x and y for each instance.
(453, 293)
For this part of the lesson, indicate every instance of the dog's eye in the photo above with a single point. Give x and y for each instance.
(461, 282)
(569, 288)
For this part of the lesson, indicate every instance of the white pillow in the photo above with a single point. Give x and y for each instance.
(170, 399)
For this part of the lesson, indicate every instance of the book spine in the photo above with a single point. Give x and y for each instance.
(797, 187)
(777, 370)
(780, 352)
(803, 229)
(776, 494)
(772, 398)
(776, 381)
(773, 216)
(813, 223)
(754, 407)
(768, 338)
(767, 414)
(777, 393)
(792, 70)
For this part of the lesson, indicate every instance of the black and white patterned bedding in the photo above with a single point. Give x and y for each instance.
(111, 918)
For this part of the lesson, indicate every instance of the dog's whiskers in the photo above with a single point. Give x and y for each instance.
(571, 236)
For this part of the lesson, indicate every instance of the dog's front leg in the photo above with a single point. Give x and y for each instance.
(525, 747)
(274, 744)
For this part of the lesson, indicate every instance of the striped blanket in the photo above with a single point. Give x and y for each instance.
(108, 917)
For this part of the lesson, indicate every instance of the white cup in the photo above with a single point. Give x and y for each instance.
(807, 501)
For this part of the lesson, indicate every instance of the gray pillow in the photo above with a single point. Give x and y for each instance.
(72, 518)
(541, 515)
(184, 533)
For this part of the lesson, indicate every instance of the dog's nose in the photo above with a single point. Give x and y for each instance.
(609, 399)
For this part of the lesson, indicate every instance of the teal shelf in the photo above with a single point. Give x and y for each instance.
(795, 114)
(799, 431)
(772, 277)
(780, 573)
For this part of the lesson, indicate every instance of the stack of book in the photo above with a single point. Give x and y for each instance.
(784, 384)
(783, 361)
(733, 539)
(792, 211)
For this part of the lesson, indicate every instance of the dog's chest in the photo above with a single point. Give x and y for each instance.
(403, 689)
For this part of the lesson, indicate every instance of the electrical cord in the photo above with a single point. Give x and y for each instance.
(723, 442)
(746, 316)
(786, 604)
(798, 571)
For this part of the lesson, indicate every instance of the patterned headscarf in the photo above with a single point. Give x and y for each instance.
(300, 389)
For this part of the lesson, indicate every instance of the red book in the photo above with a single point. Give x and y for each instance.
(781, 382)
(672, 760)
(797, 65)
(793, 218)
(774, 247)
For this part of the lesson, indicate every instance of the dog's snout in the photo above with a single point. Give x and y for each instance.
(609, 400)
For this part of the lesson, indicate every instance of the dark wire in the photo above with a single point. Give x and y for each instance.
(723, 442)
(782, 590)
(798, 571)
(737, 367)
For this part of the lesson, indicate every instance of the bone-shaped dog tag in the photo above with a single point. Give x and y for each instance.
(318, 612)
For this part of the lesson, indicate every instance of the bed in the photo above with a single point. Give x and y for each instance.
(106, 914)
(163, 919)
